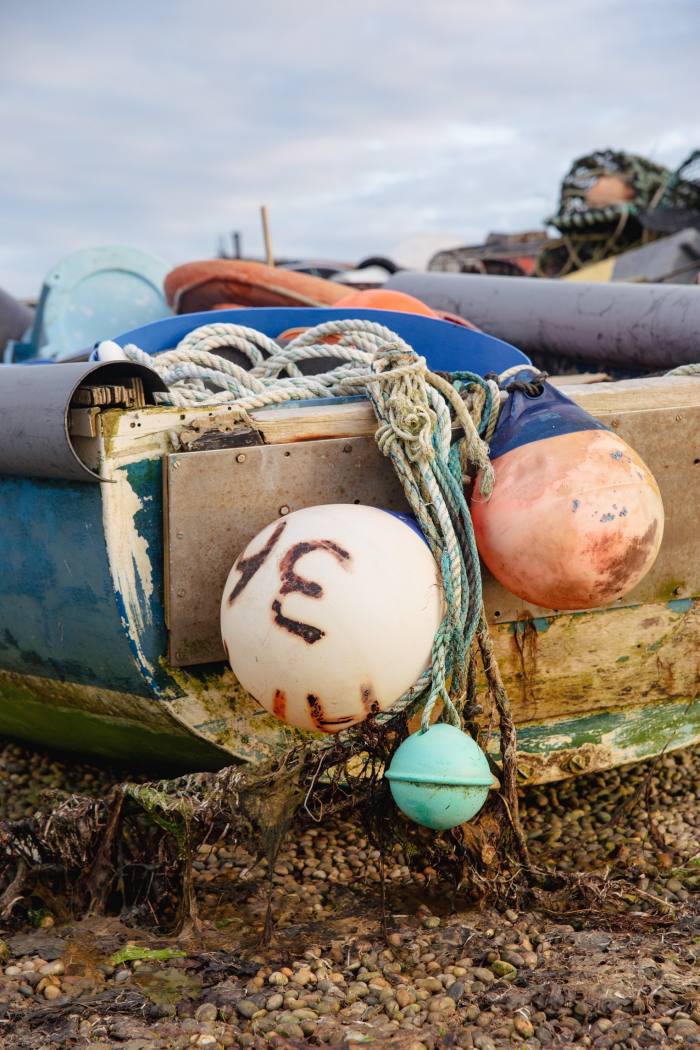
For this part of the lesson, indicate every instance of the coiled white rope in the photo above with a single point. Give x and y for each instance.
(415, 409)
(194, 375)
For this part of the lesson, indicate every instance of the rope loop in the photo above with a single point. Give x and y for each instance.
(433, 427)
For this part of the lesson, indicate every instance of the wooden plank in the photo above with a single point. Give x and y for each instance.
(579, 379)
(604, 400)
(82, 422)
(637, 395)
(568, 665)
(149, 431)
(667, 439)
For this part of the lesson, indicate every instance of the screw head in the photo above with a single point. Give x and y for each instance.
(284, 509)
(240, 458)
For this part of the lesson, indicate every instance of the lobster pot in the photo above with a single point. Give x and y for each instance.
(575, 519)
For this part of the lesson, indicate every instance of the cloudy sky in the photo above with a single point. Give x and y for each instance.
(360, 123)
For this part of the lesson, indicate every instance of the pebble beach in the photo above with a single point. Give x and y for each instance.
(436, 971)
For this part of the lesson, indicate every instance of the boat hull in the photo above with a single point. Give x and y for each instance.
(170, 735)
(87, 607)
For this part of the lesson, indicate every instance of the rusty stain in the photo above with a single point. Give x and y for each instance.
(250, 565)
(369, 700)
(291, 581)
(577, 761)
(665, 670)
(552, 766)
(279, 703)
(525, 642)
(318, 715)
(617, 567)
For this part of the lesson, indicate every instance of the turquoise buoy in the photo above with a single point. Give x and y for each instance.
(439, 778)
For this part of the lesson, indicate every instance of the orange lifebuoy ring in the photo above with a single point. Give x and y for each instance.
(206, 285)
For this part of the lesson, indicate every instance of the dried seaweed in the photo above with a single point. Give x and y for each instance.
(131, 852)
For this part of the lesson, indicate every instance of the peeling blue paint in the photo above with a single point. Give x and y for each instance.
(58, 614)
(540, 623)
(607, 517)
(575, 504)
(680, 605)
(146, 479)
(617, 454)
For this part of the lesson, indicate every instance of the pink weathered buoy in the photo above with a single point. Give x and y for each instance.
(575, 519)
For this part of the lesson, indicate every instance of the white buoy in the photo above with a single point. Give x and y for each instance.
(108, 350)
(329, 614)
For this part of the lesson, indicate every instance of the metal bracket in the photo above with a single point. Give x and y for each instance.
(217, 501)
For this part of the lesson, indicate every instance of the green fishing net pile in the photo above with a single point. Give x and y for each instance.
(660, 202)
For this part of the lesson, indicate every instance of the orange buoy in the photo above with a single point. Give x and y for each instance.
(607, 190)
(385, 299)
(575, 519)
(204, 285)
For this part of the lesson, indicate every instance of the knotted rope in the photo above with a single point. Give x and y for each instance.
(684, 370)
(417, 411)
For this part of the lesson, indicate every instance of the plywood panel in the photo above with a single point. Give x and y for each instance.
(217, 501)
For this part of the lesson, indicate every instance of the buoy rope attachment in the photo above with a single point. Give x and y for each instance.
(417, 412)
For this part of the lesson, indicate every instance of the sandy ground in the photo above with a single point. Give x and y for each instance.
(444, 972)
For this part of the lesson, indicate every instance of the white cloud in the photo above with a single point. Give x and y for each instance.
(165, 124)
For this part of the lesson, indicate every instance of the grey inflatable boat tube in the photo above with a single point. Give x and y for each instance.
(15, 319)
(644, 327)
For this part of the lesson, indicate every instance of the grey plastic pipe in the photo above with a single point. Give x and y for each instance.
(35, 402)
(645, 327)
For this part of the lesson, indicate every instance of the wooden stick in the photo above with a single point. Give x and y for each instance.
(269, 257)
